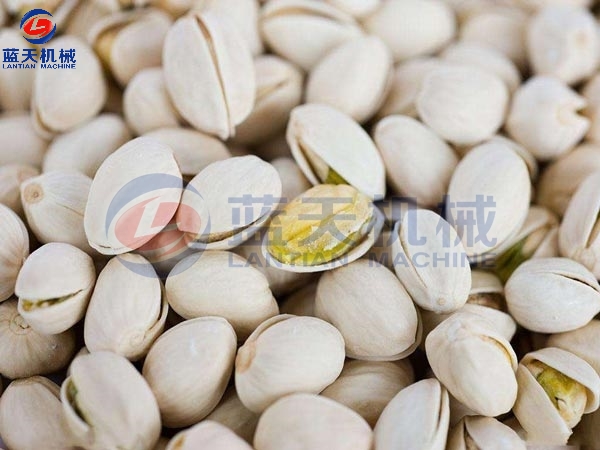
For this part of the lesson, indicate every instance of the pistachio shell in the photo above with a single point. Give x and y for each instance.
(15, 85)
(232, 413)
(356, 8)
(207, 434)
(80, 17)
(14, 248)
(11, 177)
(284, 355)
(583, 342)
(19, 142)
(483, 432)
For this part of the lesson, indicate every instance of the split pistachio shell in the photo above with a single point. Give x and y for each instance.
(128, 310)
(475, 363)
(353, 78)
(556, 127)
(286, 24)
(552, 295)
(11, 177)
(279, 88)
(217, 196)
(102, 413)
(591, 92)
(583, 342)
(489, 172)
(483, 432)
(462, 104)
(369, 306)
(219, 283)
(440, 281)
(19, 142)
(394, 23)
(86, 147)
(54, 205)
(563, 42)
(146, 103)
(14, 248)
(152, 167)
(348, 156)
(311, 421)
(287, 354)
(31, 416)
(15, 85)
(232, 413)
(426, 178)
(367, 387)
(54, 287)
(54, 108)
(555, 389)
(188, 369)
(208, 51)
(123, 43)
(25, 352)
(207, 434)
(417, 417)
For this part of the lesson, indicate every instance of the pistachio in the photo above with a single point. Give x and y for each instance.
(78, 17)
(552, 295)
(232, 413)
(205, 49)
(417, 417)
(103, 414)
(348, 157)
(207, 434)
(284, 355)
(19, 142)
(11, 177)
(116, 319)
(204, 347)
(14, 248)
(314, 422)
(478, 432)
(15, 86)
(583, 342)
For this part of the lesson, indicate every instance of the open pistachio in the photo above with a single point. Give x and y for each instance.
(31, 416)
(287, 354)
(552, 295)
(369, 306)
(128, 309)
(84, 148)
(311, 421)
(103, 414)
(205, 49)
(54, 287)
(555, 389)
(25, 352)
(232, 413)
(475, 363)
(367, 387)
(207, 434)
(188, 369)
(417, 417)
(19, 142)
(583, 342)
(15, 85)
(11, 177)
(478, 432)
(327, 226)
(143, 165)
(286, 24)
(14, 248)
(346, 157)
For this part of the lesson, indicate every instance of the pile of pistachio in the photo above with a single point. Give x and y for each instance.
(302, 225)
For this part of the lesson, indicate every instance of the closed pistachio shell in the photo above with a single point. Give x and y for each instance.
(54, 110)
(367, 387)
(54, 205)
(346, 157)
(311, 421)
(426, 178)
(206, 50)
(583, 342)
(128, 309)
(84, 148)
(108, 404)
(11, 177)
(557, 127)
(287, 354)
(207, 434)
(146, 103)
(25, 352)
(188, 368)
(394, 22)
(19, 142)
(285, 25)
(144, 162)
(475, 363)
(232, 413)
(219, 283)
(555, 389)
(15, 85)
(14, 248)
(353, 78)
(33, 404)
(369, 306)
(552, 295)
(417, 417)
(483, 432)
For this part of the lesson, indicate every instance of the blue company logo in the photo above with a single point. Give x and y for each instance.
(38, 26)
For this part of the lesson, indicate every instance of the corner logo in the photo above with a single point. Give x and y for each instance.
(38, 26)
